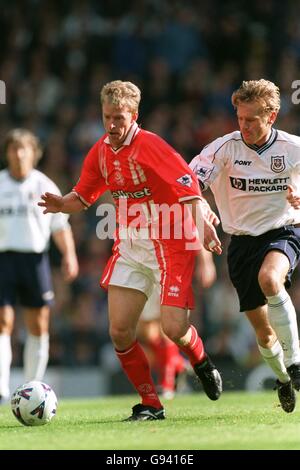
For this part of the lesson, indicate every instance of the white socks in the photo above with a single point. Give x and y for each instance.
(5, 362)
(274, 358)
(36, 353)
(282, 316)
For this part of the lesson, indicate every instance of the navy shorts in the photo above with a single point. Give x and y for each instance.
(246, 255)
(25, 278)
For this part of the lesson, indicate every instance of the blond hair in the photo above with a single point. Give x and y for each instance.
(18, 135)
(121, 94)
(264, 92)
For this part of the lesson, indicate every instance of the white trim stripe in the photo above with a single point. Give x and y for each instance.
(114, 259)
(159, 250)
(84, 202)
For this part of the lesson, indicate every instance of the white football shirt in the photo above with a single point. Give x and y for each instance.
(23, 226)
(249, 183)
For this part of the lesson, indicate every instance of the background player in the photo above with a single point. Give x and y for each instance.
(24, 238)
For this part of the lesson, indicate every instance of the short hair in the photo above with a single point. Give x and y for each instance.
(121, 94)
(18, 135)
(263, 91)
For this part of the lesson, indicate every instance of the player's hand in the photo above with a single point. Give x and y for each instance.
(292, 197)
(52, 203)
(211, 239)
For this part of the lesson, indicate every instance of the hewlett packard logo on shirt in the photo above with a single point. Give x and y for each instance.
(262, 185)
(238, 183)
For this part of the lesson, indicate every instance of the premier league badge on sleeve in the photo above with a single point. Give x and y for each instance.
(185, 180)
(277, 163)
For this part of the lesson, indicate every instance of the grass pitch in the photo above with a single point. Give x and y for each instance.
(236, 421)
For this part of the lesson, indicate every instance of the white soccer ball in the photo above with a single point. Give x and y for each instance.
(34, 403)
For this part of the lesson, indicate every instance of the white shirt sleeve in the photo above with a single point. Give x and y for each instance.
(209, 163)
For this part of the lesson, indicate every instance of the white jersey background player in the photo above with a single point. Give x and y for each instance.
(24, 267)
(254, 175)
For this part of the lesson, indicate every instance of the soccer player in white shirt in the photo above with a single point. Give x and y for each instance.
(254, 174)
(24, 267)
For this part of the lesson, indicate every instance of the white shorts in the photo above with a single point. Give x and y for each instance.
(135, 266)
(143, 263)
(151, 310)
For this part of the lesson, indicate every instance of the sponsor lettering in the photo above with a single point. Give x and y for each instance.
(242, 162)
(120, 194)
(268, 180)
(262, 185)
(267, 189)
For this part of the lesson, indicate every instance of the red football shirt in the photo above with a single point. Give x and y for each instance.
(144, 173)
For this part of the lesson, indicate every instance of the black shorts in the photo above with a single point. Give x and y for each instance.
(25, 278)
(246, 255)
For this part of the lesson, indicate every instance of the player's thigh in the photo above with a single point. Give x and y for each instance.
(6, 319)
(37, 320)
(9, 278)
(35, 290)
(275, 266)
(124, 307)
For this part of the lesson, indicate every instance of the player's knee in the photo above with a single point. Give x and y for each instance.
(173, 332)
(269, 281)
(121, 338)
(265, 337)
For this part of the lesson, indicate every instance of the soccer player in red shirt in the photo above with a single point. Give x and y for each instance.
(145, 176)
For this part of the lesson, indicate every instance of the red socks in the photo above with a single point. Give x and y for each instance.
(195, 349)
(136, 367)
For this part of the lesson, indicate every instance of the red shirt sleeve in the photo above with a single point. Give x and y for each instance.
(91, 183)
(171, 168)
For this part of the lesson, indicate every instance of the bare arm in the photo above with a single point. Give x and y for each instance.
(67, 204)
(205, 271)
(64, 241)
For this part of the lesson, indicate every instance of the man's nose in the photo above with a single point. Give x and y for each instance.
(20, 154)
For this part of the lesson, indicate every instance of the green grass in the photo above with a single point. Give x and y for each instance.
(236, 421)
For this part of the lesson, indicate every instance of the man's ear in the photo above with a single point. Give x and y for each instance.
(272, 117)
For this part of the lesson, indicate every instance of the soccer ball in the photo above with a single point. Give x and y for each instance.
(34, 403)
